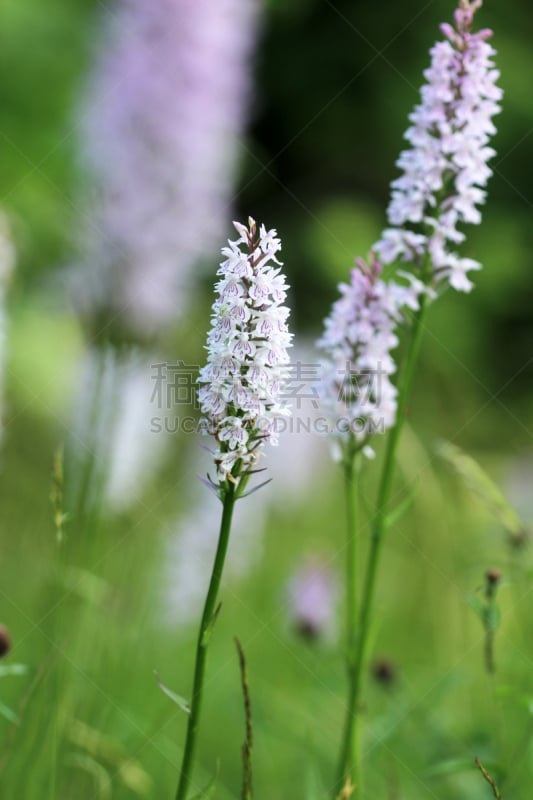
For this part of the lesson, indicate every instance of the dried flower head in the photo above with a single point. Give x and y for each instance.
(5, 641)
(384, 672)
(493, 576)
(241, 387)
(445, 170)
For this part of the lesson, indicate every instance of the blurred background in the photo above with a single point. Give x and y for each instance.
(130, 135)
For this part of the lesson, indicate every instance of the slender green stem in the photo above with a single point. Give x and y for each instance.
(352, 729)
(352, 555)
(350, 754)
(202, 644)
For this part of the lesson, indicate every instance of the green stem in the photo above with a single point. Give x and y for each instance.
(353, 727)
(350, 753)
(352, 555)
(202, 644)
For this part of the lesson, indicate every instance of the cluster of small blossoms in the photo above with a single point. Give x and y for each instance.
(356, 387)
(242, 384)
(445, 171)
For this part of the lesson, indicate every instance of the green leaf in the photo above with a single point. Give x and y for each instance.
(397, 513)
(93, 768)
(313, 788)
(478, 606)
(477, 480)
(86, 585)
(8, 714)
(176, 698)
(210, 625)
(454, 765)
(449, 767)
(207, 792)
(492, 617)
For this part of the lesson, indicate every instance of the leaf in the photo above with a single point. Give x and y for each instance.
(313, 788)
(102, 748)
(255, 489)
(207, 792)
(478, 606)
(210, 625)
(209, 483)
(476, 479)
(176, 698)
(8, 714)
(449, 767)
(86, 585)
(401, 508)
(492, 617)
(95, 770)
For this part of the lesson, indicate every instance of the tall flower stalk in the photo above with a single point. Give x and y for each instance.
(444, 174)
(357, 389)
(241, 397)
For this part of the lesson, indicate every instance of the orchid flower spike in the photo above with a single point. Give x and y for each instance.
(356, 387)
(242, 385)
(445, 171)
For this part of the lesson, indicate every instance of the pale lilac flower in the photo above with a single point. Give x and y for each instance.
(165, 109)
(241, 386)
(313, 596)
(360, 333)
(445, 170)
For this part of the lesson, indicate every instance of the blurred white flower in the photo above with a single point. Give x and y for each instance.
(111, 431)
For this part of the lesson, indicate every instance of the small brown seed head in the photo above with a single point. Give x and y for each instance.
(5, 641)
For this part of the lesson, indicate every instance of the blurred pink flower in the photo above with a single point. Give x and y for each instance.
(163, 116)
(313, 600)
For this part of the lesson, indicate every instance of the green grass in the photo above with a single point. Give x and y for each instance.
(92, 715)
